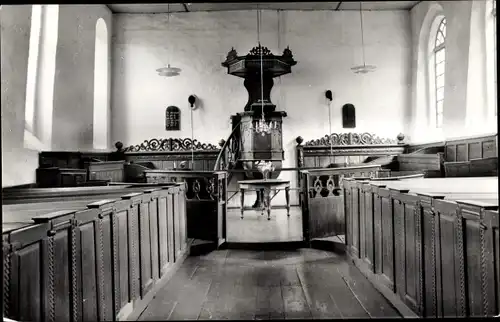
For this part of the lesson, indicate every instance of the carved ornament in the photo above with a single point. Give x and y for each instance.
(337, 139)
(171, 144)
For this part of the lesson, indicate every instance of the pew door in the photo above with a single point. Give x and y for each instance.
(322, 206)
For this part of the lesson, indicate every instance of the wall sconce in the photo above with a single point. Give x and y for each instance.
(329, 95)
(192, 101)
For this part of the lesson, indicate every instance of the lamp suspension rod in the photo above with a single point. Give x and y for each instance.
(168, 27)
(192, 138)
(362, 34)
(330, 126)
(259, 20)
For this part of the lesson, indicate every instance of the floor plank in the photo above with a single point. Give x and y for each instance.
(366, 292)
(255, 228)
(264, 285)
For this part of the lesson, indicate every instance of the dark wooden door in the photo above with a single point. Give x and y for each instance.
(322, 207)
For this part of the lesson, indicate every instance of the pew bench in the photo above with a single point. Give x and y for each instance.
(114, 253)
(33, 195)
(432, 253)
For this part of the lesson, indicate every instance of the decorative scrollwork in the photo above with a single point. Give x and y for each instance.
(74, 276)
(101, 269)
(350, 139)
(260, 50)
(6, 282)
(460, 250)
(51, 276)
(484, 271)
(171, 144)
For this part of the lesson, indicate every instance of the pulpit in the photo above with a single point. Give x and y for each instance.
(260, 125)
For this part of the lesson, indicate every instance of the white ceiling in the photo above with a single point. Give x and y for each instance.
(207, 6)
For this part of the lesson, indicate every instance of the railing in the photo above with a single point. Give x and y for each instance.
(228, 155)
(95, 264)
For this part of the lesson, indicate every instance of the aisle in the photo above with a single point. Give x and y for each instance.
(255, 228)
(237, 284)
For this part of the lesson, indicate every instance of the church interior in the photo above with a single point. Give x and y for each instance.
(317, 160)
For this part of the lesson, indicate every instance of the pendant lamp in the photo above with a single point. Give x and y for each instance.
(363, 69)
(168, 71)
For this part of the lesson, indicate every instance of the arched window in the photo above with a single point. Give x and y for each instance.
(101, 88)
(33, 67)
(40, 76)
(439, 56)
(491, 55)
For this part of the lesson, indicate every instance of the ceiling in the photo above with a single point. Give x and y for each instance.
(225, 6)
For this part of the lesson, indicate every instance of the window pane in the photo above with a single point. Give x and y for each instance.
(444, 31)
(440, 56)
(440, 81)
(440, 69)
(440, 94)
(439, 120)
(439, 107)
(440, 39)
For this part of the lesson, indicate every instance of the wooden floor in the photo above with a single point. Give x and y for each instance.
(255, 228)
(240, 284)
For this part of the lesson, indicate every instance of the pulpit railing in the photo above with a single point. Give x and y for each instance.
(229, 152)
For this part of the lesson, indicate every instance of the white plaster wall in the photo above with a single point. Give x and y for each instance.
(326, 45)
(74, 83)
(466, 110)
(72, 98)
(18, 163)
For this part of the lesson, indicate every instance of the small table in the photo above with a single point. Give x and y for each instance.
(265, 185)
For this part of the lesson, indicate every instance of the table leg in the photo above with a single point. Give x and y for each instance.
(263, 200)
(242, 199)
(267, 197)
(287, 197)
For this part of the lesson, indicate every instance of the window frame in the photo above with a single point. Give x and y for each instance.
(33, 69)
(439, 48)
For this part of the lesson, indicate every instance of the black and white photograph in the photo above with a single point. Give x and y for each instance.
(239, 160)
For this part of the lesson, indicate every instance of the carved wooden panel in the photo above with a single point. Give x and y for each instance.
(369, 226)
(387, 237)
(377, 217)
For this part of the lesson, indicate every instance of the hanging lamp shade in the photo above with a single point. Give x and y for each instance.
(364, 68)
(169, 71)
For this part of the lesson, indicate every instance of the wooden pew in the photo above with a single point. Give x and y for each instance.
(114, 171)
(107, 256)
(206, 197)
(432, 164)
(420, 248)
(32, 195)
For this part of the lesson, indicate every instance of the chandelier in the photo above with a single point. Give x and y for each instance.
(262, 126)
(362, 69)
(168, 71)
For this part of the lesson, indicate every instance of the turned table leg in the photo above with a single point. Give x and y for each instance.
(267, 198)
(287, 197)
(263, 200)
(242, 199)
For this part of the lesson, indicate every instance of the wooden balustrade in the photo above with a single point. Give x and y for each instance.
(96, 264)
(431, 251)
